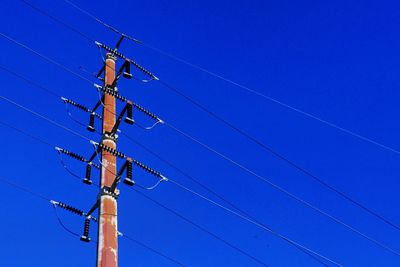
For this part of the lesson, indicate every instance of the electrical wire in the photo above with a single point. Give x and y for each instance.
(281, 189)
(203, 229)
(29, 81)
(278, 155)
(44, 118)
(206, 188)
(287, 193)
(45, 58)
(101, 22)
(42, 12)
(259, 225)
(378, 243)
(151, 249)
(62, 224)
(248, 136)
(29, 191)
(243, 87)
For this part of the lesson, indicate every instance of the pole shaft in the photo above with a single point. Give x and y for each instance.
(107, 247)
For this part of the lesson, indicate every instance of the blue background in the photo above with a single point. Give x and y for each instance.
(335, 59)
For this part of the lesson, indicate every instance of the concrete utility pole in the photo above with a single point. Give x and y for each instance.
(107, 247)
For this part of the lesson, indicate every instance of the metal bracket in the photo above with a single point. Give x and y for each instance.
(106, 191)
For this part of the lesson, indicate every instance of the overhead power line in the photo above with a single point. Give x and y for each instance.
(47, 199)
(243, 87)
(170, 210)
(262, 178)
(240, 216)
(276, 154)
(188, 176)
(265, 147)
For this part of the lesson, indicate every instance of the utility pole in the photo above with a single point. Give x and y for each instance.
(107, 246)
(106, 202)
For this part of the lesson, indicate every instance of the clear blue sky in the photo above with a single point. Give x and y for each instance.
(337, 60)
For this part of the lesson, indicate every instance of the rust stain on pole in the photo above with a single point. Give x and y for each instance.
(107, 247)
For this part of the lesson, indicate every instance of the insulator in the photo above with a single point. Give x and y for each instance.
(112, 151)
(73, 103)
(146, 168)
(128, 179)
(91, 123)
(145, 111)
(70, 208)
(109, 49)
(110, 91)
(142, 69)
(129, 115)
(87, 179)
(85, 237)
(72, 154)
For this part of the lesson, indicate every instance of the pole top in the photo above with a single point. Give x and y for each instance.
(111, 56)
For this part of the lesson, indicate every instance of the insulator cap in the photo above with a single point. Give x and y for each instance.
(129, 182)
(85, 239)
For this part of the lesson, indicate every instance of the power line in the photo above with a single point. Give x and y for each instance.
(42, 12)
(197, 226)
(191, 178)
(286, 192)
(245, 134)
(152, 250)
(101, 22)
(38, 195)
(187, 220)
(45, 57)
(278, 155)
(230, 211)
(255, 92)
(206, 188)
(252, 173)
(44, 118)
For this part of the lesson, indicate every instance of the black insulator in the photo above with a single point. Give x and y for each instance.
(91, 123)
(87, 179)
(145, 111)
(146, 168)
(142, 69)
(129, 169)
(72, 155)
(85, 237)
(110, 91)
(70, 208)
(128, 179)
(112, 151)
(109, 49)
(127, 73)
(73, 103)
(129, 114)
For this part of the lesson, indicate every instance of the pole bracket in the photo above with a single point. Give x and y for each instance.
(106, 191)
